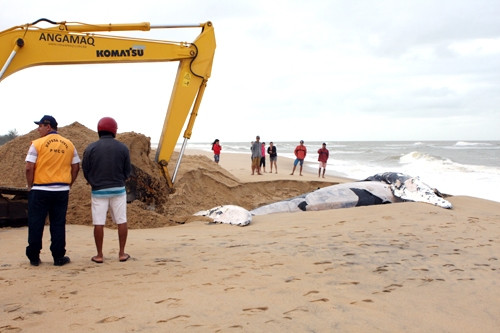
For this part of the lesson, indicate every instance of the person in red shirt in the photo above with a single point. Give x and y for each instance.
(322, 159)
(300, 154)
(216, 147)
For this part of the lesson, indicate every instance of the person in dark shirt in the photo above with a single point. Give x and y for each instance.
(273, 156)
(106, 166)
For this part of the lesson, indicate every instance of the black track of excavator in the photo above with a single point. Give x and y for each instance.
(13, 207)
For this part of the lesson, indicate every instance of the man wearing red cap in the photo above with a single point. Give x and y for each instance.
(52, 165)
(106, 166)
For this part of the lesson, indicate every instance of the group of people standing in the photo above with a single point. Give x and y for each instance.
(300, 154)
(258, 156)
(52, 166)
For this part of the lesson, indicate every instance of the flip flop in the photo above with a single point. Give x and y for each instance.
(127, 257)
(97, 261)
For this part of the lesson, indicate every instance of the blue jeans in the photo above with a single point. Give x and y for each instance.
(297, 161)
(40, 204)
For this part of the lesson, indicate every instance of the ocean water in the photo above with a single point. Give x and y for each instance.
(453, 167)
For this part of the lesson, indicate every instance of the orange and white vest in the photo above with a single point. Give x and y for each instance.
(53, 165)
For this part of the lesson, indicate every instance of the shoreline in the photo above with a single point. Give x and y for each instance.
(240, 166)
(453, 168)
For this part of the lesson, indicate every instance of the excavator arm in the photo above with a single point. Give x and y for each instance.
(77, 43)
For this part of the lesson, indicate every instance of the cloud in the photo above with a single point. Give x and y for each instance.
(321, 70)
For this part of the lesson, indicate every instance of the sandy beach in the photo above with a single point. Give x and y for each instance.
(409, 267)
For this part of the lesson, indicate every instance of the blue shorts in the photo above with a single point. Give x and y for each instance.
(297, 161)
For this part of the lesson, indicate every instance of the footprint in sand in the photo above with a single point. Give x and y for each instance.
(10, 329)
(291, 279)
(68, 294)
(392, 287)
(420, 269)
(351, 282)
(457, 270)
(320, 300)
(381, 269)
(301, 309)
(109, 319)
(164, 261)
(257, 309)
(364, 300)
(13, 307)
(173, 318)
(171, 301)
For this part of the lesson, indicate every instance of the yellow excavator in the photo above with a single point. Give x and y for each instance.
(60, 43)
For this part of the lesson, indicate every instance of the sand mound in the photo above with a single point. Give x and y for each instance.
(200, 184)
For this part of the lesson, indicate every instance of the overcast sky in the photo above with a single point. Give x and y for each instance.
(285, 70)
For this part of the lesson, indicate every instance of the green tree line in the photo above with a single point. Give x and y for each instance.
(7, 137)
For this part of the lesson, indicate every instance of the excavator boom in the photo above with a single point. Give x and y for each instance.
(77, 43)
